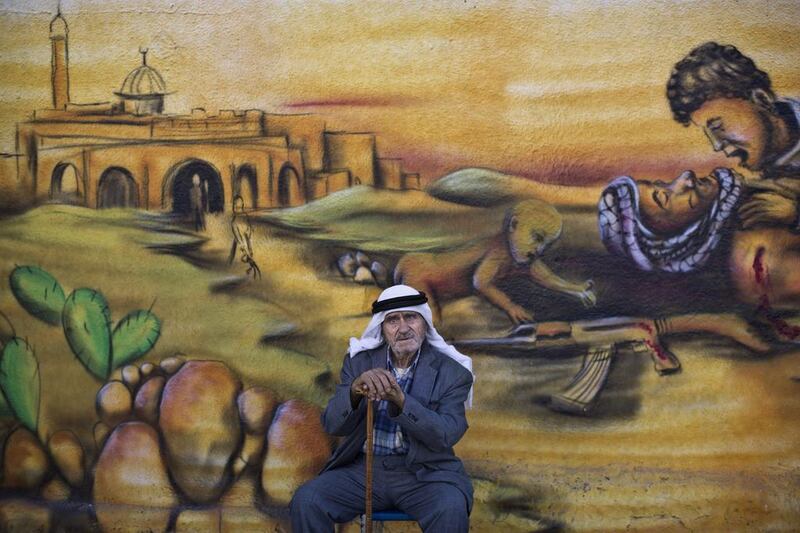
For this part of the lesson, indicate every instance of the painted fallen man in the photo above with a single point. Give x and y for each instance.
(676, 228)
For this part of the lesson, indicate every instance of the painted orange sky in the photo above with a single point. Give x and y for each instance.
(567, 92)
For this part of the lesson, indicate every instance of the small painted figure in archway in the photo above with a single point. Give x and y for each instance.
(242, 231)
(196, 204)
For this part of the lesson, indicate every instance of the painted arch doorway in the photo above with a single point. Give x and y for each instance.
(180, 187)
(65, 185)
(117, 188)
(246, 186)
(289, 190)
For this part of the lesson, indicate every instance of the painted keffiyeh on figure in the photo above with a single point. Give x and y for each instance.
(623, 233)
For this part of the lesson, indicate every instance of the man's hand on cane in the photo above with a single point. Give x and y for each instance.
(377, 384)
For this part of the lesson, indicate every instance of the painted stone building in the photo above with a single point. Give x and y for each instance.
(128, 153)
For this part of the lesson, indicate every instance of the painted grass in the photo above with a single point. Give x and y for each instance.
(358, 218)
(489, 188)
(112, 251)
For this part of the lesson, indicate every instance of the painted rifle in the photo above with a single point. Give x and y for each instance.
(601, 338)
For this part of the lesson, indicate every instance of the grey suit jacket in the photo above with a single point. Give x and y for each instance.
(432, 419)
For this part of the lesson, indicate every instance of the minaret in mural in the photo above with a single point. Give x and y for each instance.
(59, 61)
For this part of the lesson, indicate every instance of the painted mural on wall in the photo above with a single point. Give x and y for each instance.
(200, 204)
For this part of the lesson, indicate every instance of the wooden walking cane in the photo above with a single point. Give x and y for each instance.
(370, 452)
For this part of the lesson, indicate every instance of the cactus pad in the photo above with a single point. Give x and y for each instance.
(87, 326)
(38, 292)
(134, 336)
(19, 380)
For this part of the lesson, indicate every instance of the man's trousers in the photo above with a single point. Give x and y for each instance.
(337, 496)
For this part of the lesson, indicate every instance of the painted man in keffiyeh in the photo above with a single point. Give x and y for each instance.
(671, 227)
(421, 387)
(676, 227)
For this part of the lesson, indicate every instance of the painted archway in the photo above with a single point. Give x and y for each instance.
(246, 185)
(117, 188)
(65, 184)
(289, 187)
(176, 193)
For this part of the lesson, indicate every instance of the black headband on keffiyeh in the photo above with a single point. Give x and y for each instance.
(399, 301)
(623, 233)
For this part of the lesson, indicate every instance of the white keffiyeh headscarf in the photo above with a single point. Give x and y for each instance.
(623, 233)
(373, 335)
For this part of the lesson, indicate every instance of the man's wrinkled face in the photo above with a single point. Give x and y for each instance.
(668, 208)
(740, 128)
(404, 331)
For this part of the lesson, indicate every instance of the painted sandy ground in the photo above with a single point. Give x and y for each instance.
(712, 448)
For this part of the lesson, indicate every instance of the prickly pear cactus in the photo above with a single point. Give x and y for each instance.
(134, 336)
(87, 326)
(38, 292)
(19, 380)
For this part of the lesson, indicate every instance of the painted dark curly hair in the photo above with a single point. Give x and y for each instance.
(712, 71)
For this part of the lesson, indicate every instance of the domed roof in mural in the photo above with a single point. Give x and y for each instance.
(143, 81)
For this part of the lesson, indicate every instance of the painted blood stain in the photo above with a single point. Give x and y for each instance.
(782, 328)
(786, 329)
(657, 349)
(758, 267)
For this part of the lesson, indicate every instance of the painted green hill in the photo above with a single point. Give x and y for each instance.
(387, 221)
(484, 187)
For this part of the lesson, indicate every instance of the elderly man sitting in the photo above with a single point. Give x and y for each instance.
(422, 386)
